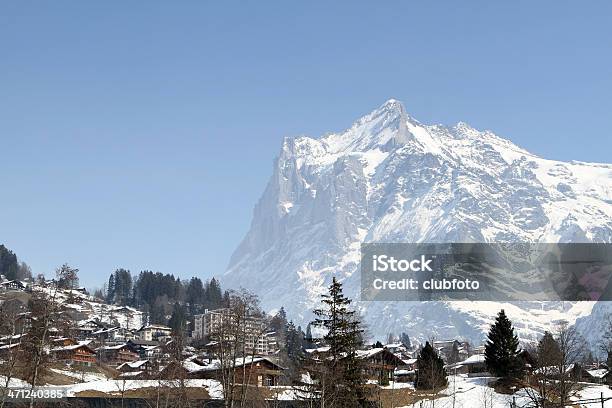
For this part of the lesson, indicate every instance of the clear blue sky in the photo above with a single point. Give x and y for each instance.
(141, 134)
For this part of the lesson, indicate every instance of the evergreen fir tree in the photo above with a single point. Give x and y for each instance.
(122, 287)
(294, 342)
(214, 297)
(178, 319)
(549, 353)
(308, 336)
(110, 291)
(430, 369)
(278, 323)
(343, 337)
(195, 294)
(343, 329)
(502, 349)
(9, 266)
(156, 314)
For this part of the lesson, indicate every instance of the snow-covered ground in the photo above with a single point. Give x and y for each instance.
(475, 393)
(398, 385)
(81, 376)
(462, 392)
(469, 393)
(122, 316)
(15, 382)
(592, 391)
(117, 386)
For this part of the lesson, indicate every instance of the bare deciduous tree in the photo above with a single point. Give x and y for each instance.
(571, 350)
(43, 309)
(236, 333)
(11, 349)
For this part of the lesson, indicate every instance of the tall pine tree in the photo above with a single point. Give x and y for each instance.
(430, 369)
(110, 291)
(178, 319)
(549, 353)
(342, 371)
(502, 349)
(293, 341)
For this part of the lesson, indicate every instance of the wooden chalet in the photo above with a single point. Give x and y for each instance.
(379, 364)
(79, 353)
(473, 366)
(140, 369)
(594, 375)
(87, 328)
(118, 354)
(407, 371)
(258, 371)
(14, 285)
(146, 349)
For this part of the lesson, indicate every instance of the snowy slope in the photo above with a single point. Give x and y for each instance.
(94, 309)
(389, 178)
(465, 392)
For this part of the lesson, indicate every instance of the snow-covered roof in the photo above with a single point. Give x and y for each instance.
(475, 359)
(132, 364)
(20, 283)
(115, 347)
(73, 346)
(598, 373)
(125, 308)
(404, 372)
(89, 321)
(193, 367)
(215, 364)
(448, 342)
(156, 327)
(369, 353)
(248, 360)
(555, 369)
(394, 345)
(13, 337)
(318, 350)
(102, 331)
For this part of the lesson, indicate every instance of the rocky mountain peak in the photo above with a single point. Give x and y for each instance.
(389, 178)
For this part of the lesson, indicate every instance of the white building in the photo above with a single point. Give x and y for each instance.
(154, 332)
(222, 322)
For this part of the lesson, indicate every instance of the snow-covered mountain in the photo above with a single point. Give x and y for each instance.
(390, 178)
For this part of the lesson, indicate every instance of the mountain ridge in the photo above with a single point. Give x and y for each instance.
(390, 178)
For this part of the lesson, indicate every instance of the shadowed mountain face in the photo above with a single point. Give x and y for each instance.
(390, 178)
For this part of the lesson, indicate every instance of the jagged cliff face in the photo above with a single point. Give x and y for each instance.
(390, 178)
